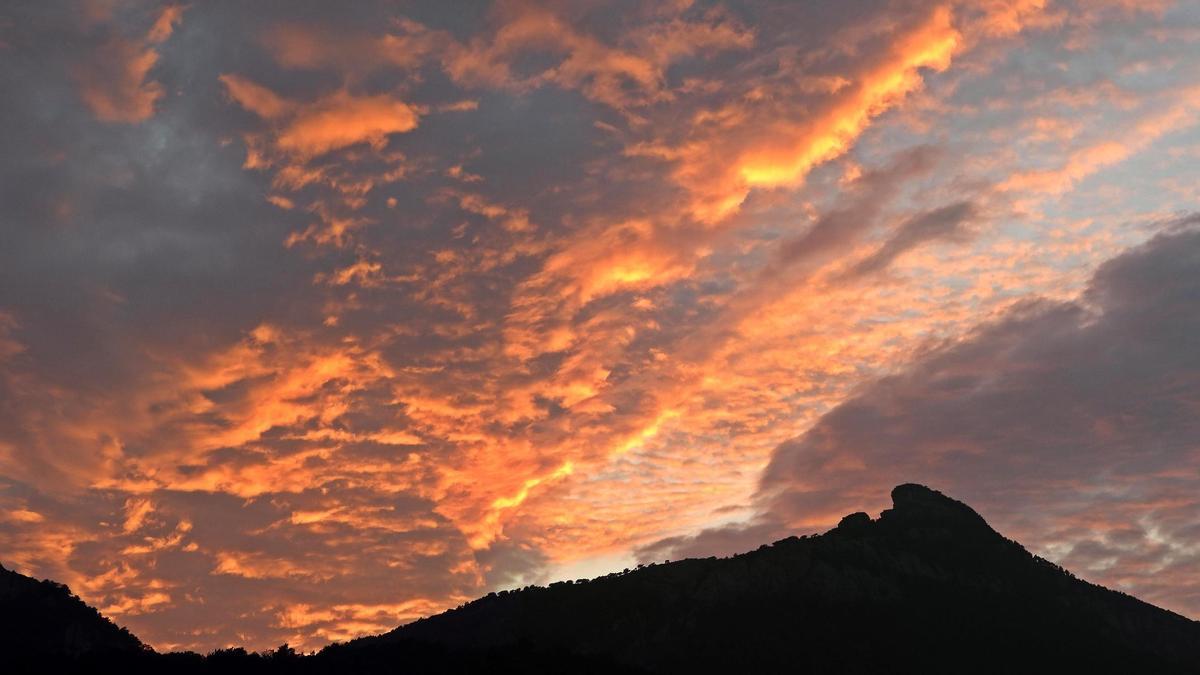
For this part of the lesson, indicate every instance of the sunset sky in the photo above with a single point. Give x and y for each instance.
(319, 317)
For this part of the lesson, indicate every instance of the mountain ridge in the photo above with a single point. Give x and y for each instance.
(885, 572)
(928, 586)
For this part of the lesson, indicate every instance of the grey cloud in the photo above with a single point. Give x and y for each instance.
(716, 541)
(944, 223)
(857, 212)
(1061, 420)
(512, 564)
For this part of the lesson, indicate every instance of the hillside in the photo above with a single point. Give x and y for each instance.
(927, 587)
(40, 619)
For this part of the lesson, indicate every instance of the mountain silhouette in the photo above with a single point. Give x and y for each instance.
(43, 619)
(928, 587)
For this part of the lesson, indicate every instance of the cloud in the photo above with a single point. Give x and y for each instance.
(331, 122)
(297, 45)
(301, 134)
(717, 541)
(256, 98)
(870, 193)
(1072, 424)
(341, 120)
(628, 74)
(386, 306)
(753, 143)
(114, 85)
(945, 223)
(1089, 159)
(114, 80)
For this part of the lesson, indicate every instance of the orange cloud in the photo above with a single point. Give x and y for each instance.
(1101, 154)
(931, 46)
(114, 82)
(168, 19)
(136, 511)
(720, 170)
(1007, 17)
(315, 625)
(332, 122)
(299, 133)
(342, 120)
(622, 76)
(258, 566)
(256, 98)
(295, 45)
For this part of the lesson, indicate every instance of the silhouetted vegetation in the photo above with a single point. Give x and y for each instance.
(927, 587)
(43, 618)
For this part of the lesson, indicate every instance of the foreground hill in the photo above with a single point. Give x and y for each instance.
(926, 587)
(43, 619)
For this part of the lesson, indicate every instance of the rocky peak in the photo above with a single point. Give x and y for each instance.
(918, 507)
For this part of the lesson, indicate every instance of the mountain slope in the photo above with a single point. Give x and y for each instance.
(928, 587)
(40, 619)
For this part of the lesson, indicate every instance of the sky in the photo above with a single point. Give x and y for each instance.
(316, 318)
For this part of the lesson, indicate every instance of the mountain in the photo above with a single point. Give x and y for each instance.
(927, 587)
(43, 619)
